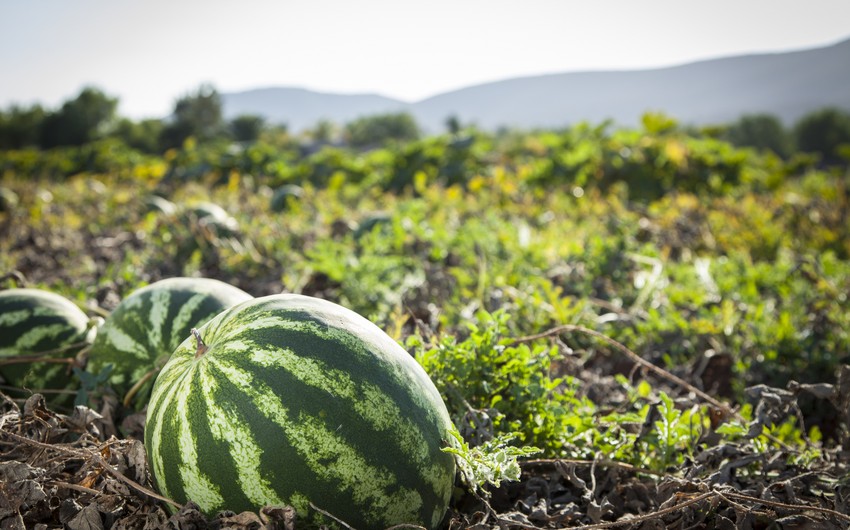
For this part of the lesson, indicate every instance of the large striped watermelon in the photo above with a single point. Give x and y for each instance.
(40, 324)
(294, 400)
(139, 336)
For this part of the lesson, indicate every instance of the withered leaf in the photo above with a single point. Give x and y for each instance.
(137, 461)
(68, 510)
(110, 504)
(36, 407)
(188, 518)
(241, 521)
(11, 472)
(133, 425)
(278, 517)
(23, 494)
(84, 419)
(14, 522)
(87, 519)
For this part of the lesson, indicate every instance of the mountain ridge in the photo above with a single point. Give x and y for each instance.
(787, 84)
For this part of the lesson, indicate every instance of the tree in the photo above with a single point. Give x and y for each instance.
(323, 132)
(80, 120)
(822, 132)
(453, 124)
(20, 127)
(375, 130)
(142, 135)
(247, 127)
(198, 115)
(762, 131)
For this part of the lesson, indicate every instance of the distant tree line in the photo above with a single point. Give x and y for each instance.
(91, 116)
(823, 132)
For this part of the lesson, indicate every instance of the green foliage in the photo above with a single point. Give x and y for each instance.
(374, 131)
(674, 435)
(79, 121)
(761, 131)
(508, 385)
(453, 124)
(106, 156)
(495, 389)
(247, 128)
(197, 115)
(91, 384)
(324, 131)
(688, 250)
(141, 135)
(824, 132)
(490, 463)
(20, 127)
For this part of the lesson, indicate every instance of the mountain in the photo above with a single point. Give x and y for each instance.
(788, 85)
(300, 108)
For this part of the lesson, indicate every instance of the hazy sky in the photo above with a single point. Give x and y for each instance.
(149, 52)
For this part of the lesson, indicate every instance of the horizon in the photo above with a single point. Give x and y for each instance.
(168, 51)
(535, 75)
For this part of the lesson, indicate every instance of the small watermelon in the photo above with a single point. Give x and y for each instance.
(139, 336)
(40, 324)
(213, 217)
(284, 195)
(293, 400)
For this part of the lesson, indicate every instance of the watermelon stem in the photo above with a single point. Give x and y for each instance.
(128, 398)
(202, 348)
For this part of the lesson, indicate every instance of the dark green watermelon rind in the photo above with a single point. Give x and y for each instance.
(141, 333)
(37, 323)
(358, 414)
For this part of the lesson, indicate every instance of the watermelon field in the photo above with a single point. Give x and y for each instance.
(633, 328)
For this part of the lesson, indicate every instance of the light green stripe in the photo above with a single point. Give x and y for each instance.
(50, 311)
(205, 492)
(233, 430)
(370, 402)
(236, 326)
(124, 343)
(328, 454)
(168, 383)
(11, 318)
(160, 303)
(31, 338)
(186, 318)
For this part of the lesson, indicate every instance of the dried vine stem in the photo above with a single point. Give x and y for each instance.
(602, 463)
(132, 483)
(128, 398)
(647, 517)
(77, 487)
(331, 516)
(792, 507)
(46, 356)
(94, 455)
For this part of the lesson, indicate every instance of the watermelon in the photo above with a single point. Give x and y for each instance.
(39, 323)
(284, 195)
(213, 217)
(8, 199)
(155, 203)
(293, 400)
(138, 337)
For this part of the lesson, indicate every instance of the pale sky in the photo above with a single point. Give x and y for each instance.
(150, 52)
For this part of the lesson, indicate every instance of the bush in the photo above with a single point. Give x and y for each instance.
(824, 132)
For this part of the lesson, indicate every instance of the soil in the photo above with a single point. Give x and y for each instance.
(87, 470)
